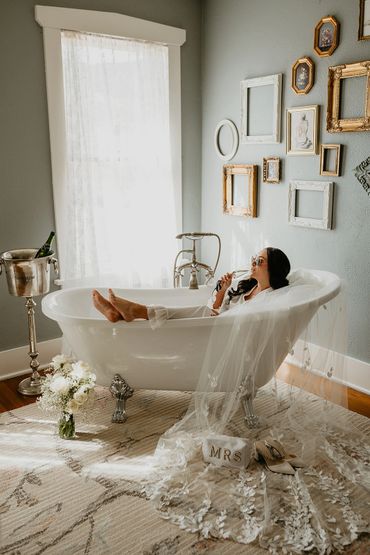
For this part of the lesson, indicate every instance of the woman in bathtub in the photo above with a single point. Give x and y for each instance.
(269, 270)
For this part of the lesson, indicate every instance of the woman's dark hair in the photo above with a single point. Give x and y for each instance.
(278, 267)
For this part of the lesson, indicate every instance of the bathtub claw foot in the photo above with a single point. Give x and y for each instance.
(251, 418)
(121, 391)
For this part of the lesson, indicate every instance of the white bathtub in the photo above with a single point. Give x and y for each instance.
(169, 357)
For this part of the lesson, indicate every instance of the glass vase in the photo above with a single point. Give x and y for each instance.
(66, 426)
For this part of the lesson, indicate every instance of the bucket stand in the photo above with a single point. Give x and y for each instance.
(27, 277)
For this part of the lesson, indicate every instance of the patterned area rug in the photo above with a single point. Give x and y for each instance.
(71, 496)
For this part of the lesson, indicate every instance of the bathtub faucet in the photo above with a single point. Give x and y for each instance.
(194, 265)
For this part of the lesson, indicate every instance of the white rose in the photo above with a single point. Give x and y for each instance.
(60, 385)
(58, 360)
(72, 406)
(80, 396)
(80, 370)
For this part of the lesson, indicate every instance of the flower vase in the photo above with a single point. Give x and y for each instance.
(66, 426)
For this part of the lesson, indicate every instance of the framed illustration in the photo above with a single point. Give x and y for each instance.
(325, 208)
(334, 122)
(303, 75)
(364, 23)
(272, 110)
(271, 170)
(330, 165)
(326, 36)
(235, 139)
(240, 190)
(302, 130)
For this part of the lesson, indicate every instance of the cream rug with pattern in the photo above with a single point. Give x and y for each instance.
(70, 496)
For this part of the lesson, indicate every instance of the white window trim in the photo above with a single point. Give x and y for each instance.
(53, 20)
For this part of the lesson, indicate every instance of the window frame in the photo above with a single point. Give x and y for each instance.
(53, 21)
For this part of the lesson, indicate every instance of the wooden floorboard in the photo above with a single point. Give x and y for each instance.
(354, 400)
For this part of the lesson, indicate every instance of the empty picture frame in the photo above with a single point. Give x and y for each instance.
(334, 122)
(324, 187)
(246, 86)
(271, 170)
(235, 139)
(328, 167)
(364, 22)
(240, 198)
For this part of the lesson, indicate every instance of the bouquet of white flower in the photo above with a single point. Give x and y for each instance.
(67, 388)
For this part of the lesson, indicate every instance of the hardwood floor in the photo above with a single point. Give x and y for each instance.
(354, 400)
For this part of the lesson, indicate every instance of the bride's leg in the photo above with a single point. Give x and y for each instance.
(128, 309)
(105, 307)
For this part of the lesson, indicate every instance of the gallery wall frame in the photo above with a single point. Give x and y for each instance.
(271, 170)
(326, 188)
(303, 74)
(230, 206)
(334, 123)
(235, 139)
(324, 152)
(326, 36)
(364, 20)
(276, 82)
(302, 124)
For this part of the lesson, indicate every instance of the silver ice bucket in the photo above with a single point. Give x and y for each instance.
(27, 276)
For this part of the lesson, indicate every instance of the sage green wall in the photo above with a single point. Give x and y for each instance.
(26, 203)
(251, 38)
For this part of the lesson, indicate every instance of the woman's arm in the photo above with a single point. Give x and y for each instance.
(225, 284)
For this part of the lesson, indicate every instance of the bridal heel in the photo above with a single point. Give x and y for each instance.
(281, 453)
(272, 459)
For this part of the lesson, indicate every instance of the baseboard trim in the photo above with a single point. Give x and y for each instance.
(15, 362)
(356, 374)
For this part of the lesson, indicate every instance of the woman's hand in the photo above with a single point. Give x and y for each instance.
(226, 281)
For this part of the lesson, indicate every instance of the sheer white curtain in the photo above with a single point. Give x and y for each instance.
(118, 204)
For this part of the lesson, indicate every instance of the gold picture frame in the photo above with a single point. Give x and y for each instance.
(303, 71)
(231, 205)
(364, 20)
(334, 123)
(302, 130)
(271, 170)
(324, 149)
(326, 36)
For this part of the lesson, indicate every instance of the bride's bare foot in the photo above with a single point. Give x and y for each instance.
(128, 309)
(105, 307)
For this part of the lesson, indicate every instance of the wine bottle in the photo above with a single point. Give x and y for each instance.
(45, 250)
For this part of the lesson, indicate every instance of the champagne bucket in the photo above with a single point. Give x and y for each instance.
(27, 276)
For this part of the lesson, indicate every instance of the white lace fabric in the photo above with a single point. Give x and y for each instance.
(325, 505)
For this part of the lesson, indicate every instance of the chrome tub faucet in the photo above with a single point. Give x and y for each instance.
(194, 265)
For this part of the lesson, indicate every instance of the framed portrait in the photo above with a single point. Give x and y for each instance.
(303, 75)
(310, 204)
(271, 170)
(261, 109)
(302, 130)
(339, 80)
(326, 36)
(240, 190)
(364, 23)
(330, 157)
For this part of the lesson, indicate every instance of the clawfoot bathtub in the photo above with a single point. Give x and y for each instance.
(171, 357)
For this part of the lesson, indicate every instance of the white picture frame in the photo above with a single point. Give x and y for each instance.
(327, 189)
(276, 82)
(235, 138)
(302, 125)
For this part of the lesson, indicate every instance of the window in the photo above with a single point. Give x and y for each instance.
(114, 113)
